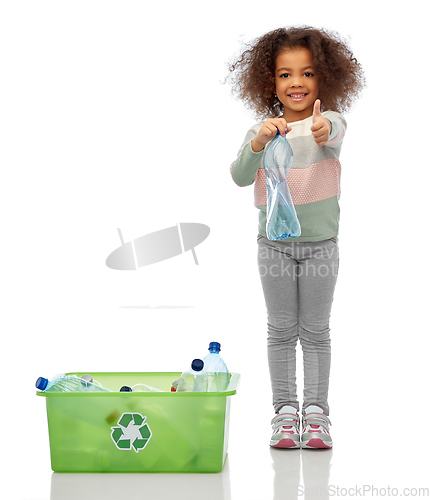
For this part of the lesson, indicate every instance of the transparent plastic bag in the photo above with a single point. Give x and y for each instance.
(282, 221)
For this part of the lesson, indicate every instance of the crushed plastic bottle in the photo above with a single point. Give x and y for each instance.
(282, 221)
(195, 379)
(216, 369)
(68, 383)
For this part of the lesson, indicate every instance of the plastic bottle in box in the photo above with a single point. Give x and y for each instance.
(216, 369)
(93, 386)
(195, 379)
(68, 383)
(144, 388)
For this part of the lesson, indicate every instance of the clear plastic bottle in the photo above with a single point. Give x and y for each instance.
(144, 388)
(195, 379)
(91, 384)
(282, 221)
(216, 369)
(68, 383)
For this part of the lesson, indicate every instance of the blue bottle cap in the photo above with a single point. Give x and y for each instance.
(126, 388)
(41, 383)
(214, 346)
(197, 365)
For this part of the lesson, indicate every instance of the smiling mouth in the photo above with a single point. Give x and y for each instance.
(298, 96)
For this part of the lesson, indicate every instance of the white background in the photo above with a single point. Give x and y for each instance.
(114, 115)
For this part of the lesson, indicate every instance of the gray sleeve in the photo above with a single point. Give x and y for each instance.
(338, 128)
(245, 167)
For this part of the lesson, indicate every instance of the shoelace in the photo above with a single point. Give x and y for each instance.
(284, 419)
(317, 419)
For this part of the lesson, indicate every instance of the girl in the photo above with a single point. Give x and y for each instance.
(299, 80)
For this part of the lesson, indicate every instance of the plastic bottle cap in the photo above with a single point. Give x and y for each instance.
(214, 346)
(125, 388)
(86, 380)
(197, 365)
(41, 383)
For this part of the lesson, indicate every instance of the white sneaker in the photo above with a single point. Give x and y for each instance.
(315, 427)
(285, 428)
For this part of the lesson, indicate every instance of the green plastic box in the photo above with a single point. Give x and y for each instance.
(139, 432)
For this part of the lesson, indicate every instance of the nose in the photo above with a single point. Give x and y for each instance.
(296, 81)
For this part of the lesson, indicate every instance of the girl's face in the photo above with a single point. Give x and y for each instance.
(296, 83)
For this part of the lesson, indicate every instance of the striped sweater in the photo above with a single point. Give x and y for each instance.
(313, 180)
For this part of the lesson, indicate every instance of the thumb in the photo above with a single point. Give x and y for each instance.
(317, 111)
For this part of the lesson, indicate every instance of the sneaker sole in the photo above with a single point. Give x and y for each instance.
(285, 443)
(317, 443)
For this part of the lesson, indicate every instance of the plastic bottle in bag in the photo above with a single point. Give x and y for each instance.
(195, 379)
(282, 221)
(216, 369)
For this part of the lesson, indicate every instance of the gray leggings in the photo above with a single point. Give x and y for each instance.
(298, 280)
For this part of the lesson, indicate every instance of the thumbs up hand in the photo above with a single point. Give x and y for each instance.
(321, 127)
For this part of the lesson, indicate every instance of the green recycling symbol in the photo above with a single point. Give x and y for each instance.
(131, 433)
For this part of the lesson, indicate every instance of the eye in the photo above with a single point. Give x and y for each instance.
(284, 75)
(308, 74)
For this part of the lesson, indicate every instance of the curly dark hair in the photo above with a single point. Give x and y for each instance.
(252, 74)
